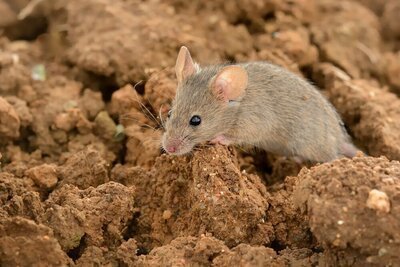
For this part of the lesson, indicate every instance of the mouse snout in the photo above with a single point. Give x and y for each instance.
(176, 144)
(171, 148)
(172, 145)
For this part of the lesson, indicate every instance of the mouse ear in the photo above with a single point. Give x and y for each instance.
(230, 83)
(184, 66)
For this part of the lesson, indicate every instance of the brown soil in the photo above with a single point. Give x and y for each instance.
(85, 85)
(353, 227)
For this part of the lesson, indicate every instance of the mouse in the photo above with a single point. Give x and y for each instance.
(254, 104)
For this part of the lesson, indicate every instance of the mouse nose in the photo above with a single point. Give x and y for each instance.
(171, 149)
(172, 145)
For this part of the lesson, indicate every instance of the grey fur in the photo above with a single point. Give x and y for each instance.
(280, 112)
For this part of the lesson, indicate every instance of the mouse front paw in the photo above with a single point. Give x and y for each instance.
(221, 139)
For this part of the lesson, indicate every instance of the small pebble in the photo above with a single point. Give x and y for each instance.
(378, 200)
(167, 214)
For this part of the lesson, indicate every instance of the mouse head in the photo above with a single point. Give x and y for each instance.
(206, 103)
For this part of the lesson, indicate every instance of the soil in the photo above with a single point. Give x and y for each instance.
(86, 85)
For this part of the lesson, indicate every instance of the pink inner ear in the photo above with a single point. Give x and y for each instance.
(189, 68)
(230, 83)
(184, 66)
(221, 88)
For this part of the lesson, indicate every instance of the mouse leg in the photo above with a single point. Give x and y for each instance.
(348, 150)
(221, 139)
(298, 160)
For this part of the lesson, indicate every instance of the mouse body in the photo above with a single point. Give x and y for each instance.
(255, 104)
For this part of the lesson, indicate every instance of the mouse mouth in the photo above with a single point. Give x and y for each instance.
(176, 146)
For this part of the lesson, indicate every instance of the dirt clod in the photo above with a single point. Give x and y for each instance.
(391, 29)
(44, 176)
(84, 169)
(9, 120)
(338, 198)
(25, 243)
(105, 127)
(358, 102)
(348, 35)
(96, 215)
(215, 199)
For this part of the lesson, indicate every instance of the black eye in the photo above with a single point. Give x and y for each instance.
(195, 120)
(169, 113)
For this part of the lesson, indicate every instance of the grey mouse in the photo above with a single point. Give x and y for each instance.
(254, 104)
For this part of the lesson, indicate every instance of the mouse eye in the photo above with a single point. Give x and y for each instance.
(195, 120)
(169, 113)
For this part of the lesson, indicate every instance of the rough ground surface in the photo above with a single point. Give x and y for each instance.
(353, 226)
(85, 85)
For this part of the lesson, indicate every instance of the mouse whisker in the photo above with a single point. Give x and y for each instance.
(144, 108)
(161, 119)
(145, 111)
(153, 140)
(151, 114)
(142, 124)
(186, 139)
(151, 117)
(149, 143)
